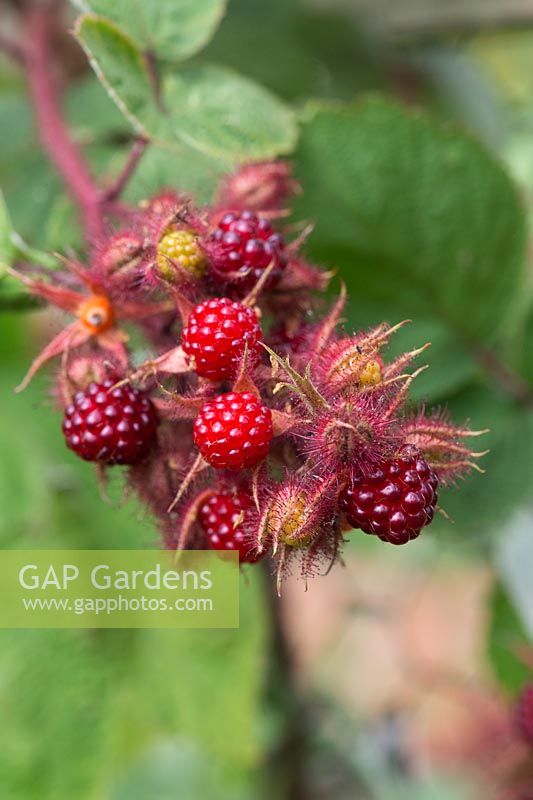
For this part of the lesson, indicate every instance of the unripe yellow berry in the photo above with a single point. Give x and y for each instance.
(371, 374)
(346, 370)
(291, 522)
(183, 248)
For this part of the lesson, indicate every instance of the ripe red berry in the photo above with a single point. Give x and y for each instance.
(112, 426)
(221, 517)
(243, 245)
(524, 714)
(216, 334)
(394, 501)
(234, 430)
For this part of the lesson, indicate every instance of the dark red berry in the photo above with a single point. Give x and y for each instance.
(112, 426)
(243, 245)
(221, 517)
(524, 714)
(394, 501)
(234, 430)
(216, 334)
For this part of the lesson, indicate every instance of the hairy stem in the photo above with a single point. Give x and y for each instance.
(63, 153)
(135, 155)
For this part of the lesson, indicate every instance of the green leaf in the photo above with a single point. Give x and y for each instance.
(207, 108)
(91, 113)
(7, 250)
(12, 246)
(422, 222)
(514, 555)
(119, 64)
(195, 173)
(506, 636)
(12, 297)
(171, 29)
(226, 115)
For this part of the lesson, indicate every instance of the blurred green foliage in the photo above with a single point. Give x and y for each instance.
(90, 713)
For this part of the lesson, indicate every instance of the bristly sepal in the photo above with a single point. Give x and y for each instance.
(443, 444)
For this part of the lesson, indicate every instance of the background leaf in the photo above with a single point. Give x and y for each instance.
(319, 51)
(481, 505)
(419, 219)
(7, 249)
(506, 636)
(172, 29)
(414, 213)
(12, 295)
(207, 108)
(119, 64)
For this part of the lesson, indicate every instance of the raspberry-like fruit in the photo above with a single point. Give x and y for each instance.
(222, 516)
(183, 248)
(112, 426)
(243, 245)
(234, 430)
(394, 501)
(524, 714)
(216, 334)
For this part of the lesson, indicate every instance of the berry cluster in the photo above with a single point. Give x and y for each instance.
(256, 424)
